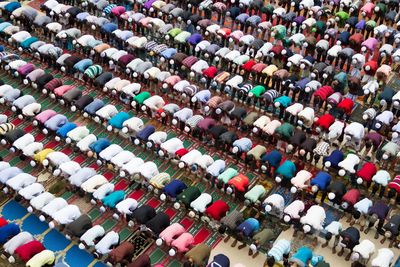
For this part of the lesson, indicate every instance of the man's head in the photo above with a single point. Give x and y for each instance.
(356, 214)
(222, 229)
(328, 236)
(188, 263)
(270, 261)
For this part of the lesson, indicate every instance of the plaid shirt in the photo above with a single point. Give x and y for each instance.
(221, 77)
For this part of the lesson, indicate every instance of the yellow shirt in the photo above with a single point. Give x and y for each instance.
(40, 156)
(46, 257)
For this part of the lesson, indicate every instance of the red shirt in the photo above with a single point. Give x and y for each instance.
(352, 196)
(367, 171)
(347, 105)
(210, 72)
(239, 182)
(181, 152)
(373, 65)
(28, 250)
(325, 121)
(217, 210)
(248, 65)
(324, 91)
(3, 222)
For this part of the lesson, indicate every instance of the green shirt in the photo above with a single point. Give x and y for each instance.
(227, 175)
(264, 236)
(174, 32)
(258, 91)
(140, 98)
(286, 130)
(199, 254)
(188, 195)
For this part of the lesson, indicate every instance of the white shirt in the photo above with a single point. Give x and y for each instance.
(204, 161)
(334, 228)
(69, 168)
(78, 133)
(200, 204)
(41, 200)
(104, 245)
(31, 109)
(18, 240)
(54, 205)
(122, 157)
(23, 141)
(93, 182)
(57, 158)
(127, 206)
(84, 144)
(103, 191)
(81, 176)
(110, 152)
(67, 214)
(190, 157)
(381, 177)
(363, 205)
(107, 112)
(93, 233)
(134, 124)
(31, 191)
(172, 145)
(133, 166)
(148, 170)
(158, 137)
(20, 181)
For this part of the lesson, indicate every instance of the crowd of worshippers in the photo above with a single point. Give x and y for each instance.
(295, 58)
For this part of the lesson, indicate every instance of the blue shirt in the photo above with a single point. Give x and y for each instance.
(55, 122)
(273, 158)
(27, 43)
(174, 188)
(12, 6)
(203, 96)
(82, 65)
(119, 119)
(146, 132)
(244, 144)
(113, 199)
(168, 53)
(216, 168)
(8, 231)
(287, 169)
(249, 226)
(109, 27)
(63, 130)
(94, 106)
(334, 158)
(99, 145)
(322, 180)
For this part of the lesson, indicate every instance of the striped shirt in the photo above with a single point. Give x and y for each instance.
(160, 180)
(221, 77)
(322, 148)
(270, 95)
(5, 127)
(193, 121)
(93, 71)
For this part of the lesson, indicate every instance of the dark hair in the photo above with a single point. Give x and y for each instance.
(187, 264)
(222, 229)
(357, 264)
(240, 236)
(328, 236)
(391, 193)
(270, 261)
(356, 214)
